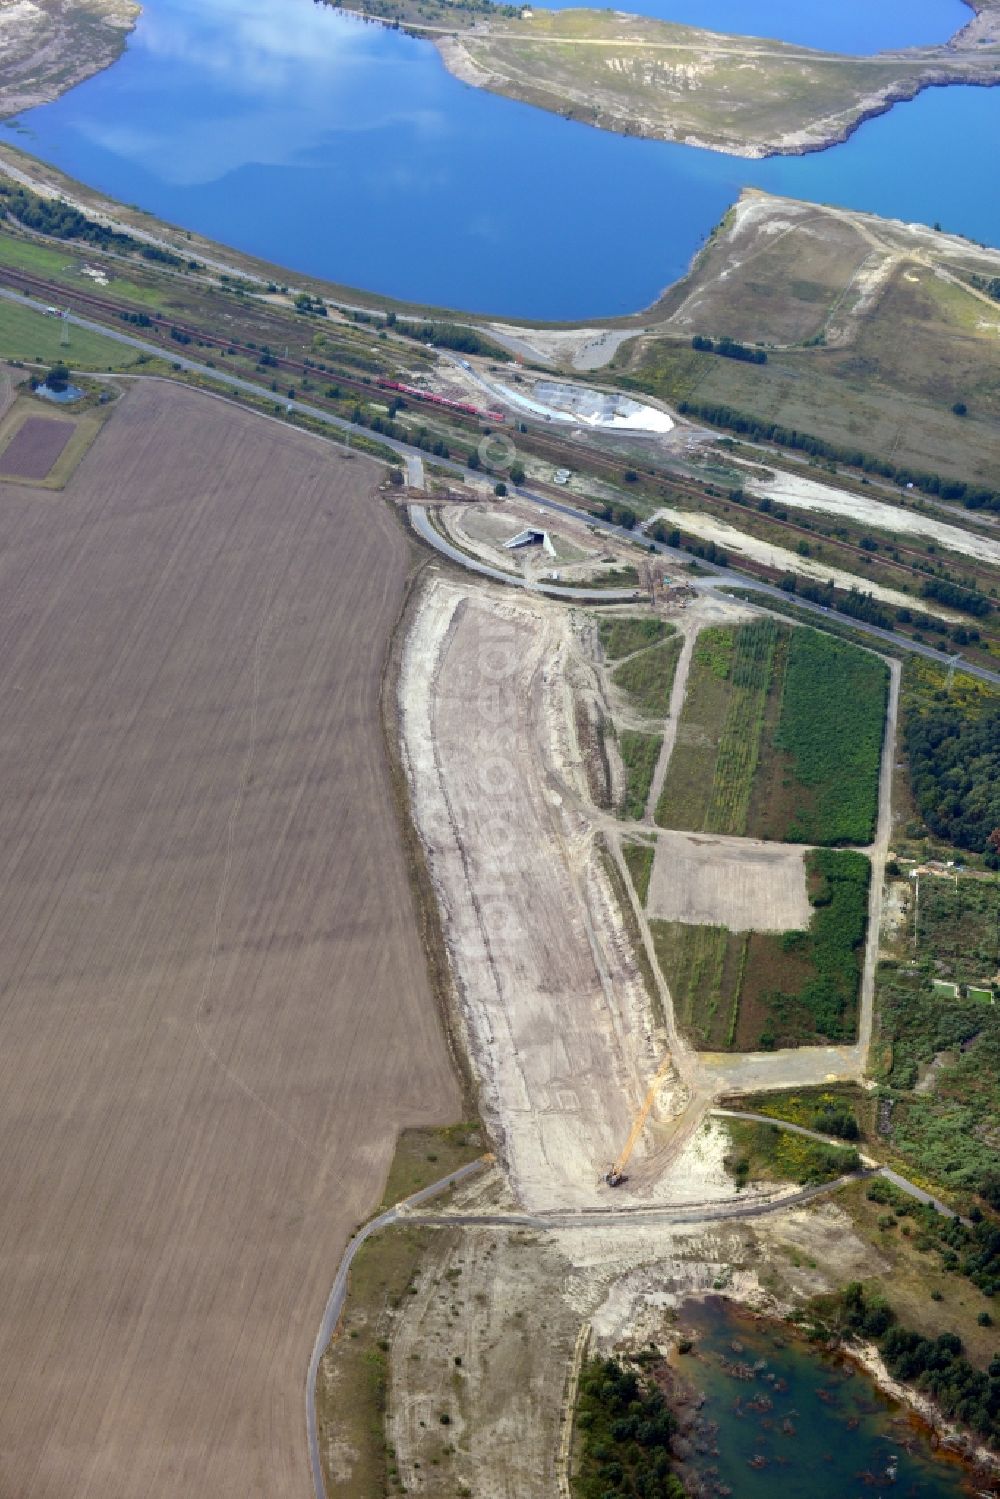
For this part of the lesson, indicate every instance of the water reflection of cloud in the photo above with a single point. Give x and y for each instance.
(202, 151)
(259, 46)
(270, 84)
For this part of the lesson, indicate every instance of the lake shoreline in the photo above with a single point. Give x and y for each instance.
(38, 68)
(466, 52)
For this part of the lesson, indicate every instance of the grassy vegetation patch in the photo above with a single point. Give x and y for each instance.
(971, 1249)
(424, 1156)
(766, 1152)
(624, 1429)
(831, 726)
(938, 1049)
(710, 778)
(703, 967)
(739, 742)
(639, 862)
(914, 1267)
(620, 637)
(352, 1389)
(901, 407)
(831, 1111)
(639, 753)
(950, 1132)
(824, 1003)
(649, 676)
(779, 737)
(37, 338)
(631, 925)
(759, 991)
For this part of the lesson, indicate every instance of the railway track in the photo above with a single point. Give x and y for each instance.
(540, 443)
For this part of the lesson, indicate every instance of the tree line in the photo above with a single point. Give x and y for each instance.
(729, 348)
(721, 415)
(58, 220)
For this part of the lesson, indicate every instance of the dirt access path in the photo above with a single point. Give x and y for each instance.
(572, 1059)
(690, 628)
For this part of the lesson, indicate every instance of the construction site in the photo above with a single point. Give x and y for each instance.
(609, 1198)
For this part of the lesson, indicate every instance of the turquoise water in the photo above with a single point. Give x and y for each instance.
(346, 150)
(803, 1425)
(854, 26)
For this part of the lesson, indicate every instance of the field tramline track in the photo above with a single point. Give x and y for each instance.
(539, 442)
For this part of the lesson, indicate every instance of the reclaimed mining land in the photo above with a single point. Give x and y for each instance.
(641, 76)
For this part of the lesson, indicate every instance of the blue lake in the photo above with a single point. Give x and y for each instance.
(782, 1419)
(346, 150)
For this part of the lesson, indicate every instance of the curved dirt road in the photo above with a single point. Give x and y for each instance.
(338, 1294)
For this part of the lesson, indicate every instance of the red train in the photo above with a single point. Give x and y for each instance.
(494, 417)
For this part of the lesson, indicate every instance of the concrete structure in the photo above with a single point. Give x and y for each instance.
(530, 538)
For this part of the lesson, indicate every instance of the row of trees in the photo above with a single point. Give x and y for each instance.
(720, 415)
(729, 348)
(58, 220)
(966, 599)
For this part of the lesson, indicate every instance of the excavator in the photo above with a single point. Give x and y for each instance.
(615, 1175)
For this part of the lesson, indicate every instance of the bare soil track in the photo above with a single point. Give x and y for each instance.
(214, 1013)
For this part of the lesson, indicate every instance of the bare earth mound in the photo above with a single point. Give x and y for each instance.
(34, 448)
(742, 883)
(215, 1012)
(552, 1001)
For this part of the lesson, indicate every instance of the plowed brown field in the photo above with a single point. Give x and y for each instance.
(34, 448)
(213, 1006)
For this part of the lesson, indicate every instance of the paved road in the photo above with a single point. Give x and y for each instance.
(718, 577)
(618, 1215)
(726, 577)
(335, 1304)
(875, 1170)
(414, 471)
(878, 854)
(917, 1192)
(422, 525)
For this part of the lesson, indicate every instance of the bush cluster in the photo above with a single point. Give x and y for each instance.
(626, 1430)
(955, 774)
(729, 349)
